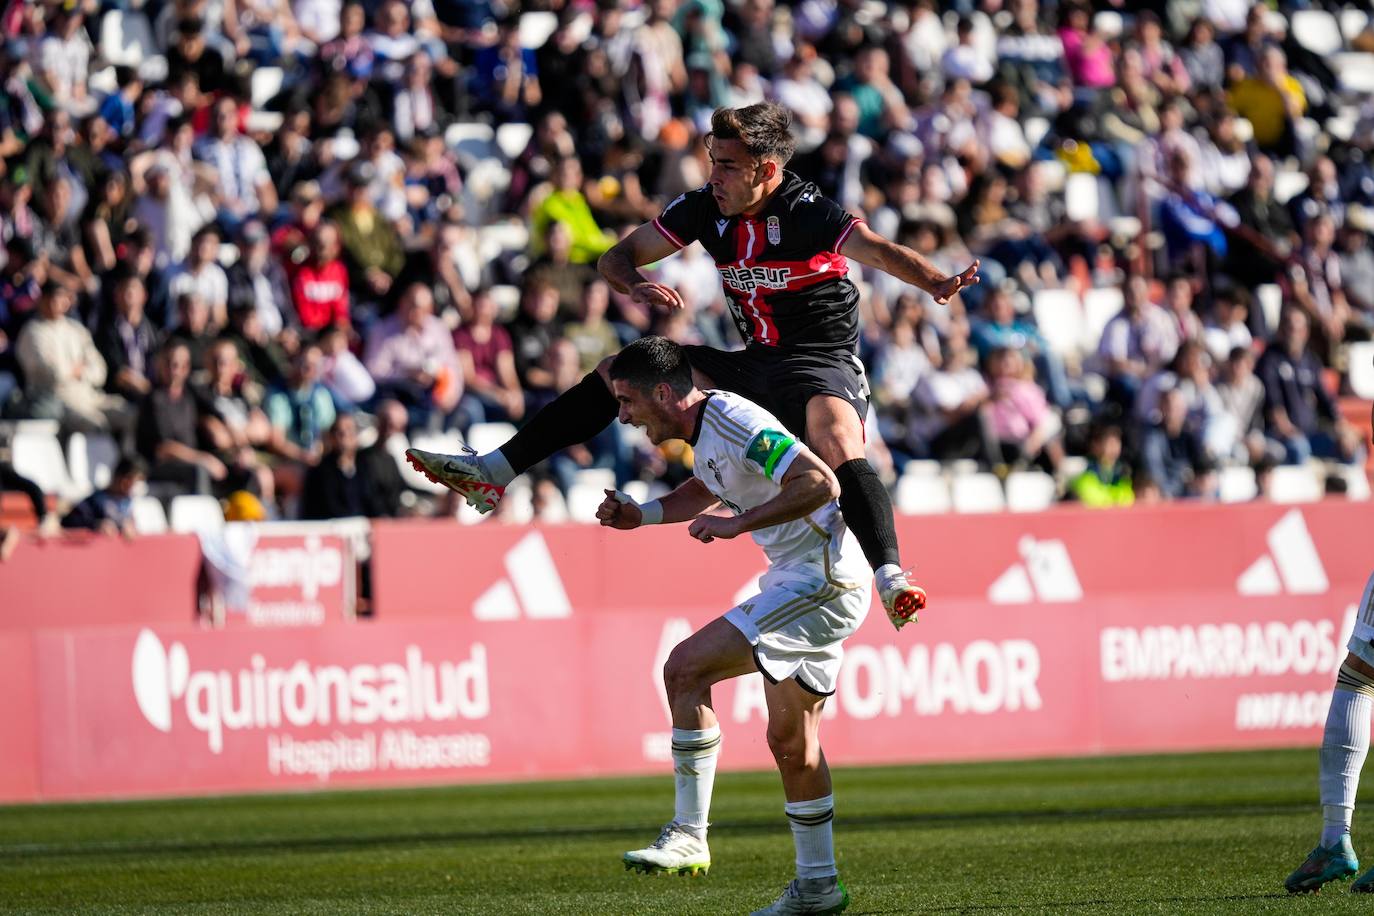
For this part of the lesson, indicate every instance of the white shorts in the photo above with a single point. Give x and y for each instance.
(798, 622)
(1360, 637)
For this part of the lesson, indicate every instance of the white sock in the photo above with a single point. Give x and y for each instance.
(811, 833)
(1345, 743)
(883, 574)
(694, 774)
(498, 468)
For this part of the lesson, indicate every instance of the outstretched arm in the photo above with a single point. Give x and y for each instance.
(683, 504)
(867, 247)
(620, 266)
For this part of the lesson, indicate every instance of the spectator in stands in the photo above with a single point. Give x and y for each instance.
(1356, 264)
(64, 59)
(338, 487)
(505, 76)
(57, 235)
(1002, 328)
(1202, 57)
(128, 342)
(193, 327)
(64, 372)
(1315, 283)
(1189, 216)
(1242, 402)
(301, 410)
(235, 425)
(111, 510)
(491, 388)
(565, 203)
(10, 479)
(107, 221)
(1135, 343)
(1227, 329)
(1301, 415)
(321, 287)
(244, 186)
(257, 279)
(533, 333)
(191, 52)
(170, 426)
(372, 248)
(1263, 235)
(1171, 453)
(950, 422)
(1021, 421)
(343, 373)
(1273, 101)
(556, 268)
(202, 276)
(412, 359)
(1106, 481)
(378, 465)
(591, 333)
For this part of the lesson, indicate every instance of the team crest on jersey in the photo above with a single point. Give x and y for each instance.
(721, 226)
(774, 230)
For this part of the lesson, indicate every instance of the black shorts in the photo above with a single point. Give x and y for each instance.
(782, 382)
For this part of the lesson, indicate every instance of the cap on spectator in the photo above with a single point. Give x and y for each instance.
(192, 26)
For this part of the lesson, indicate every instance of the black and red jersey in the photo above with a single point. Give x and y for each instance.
(781, 269)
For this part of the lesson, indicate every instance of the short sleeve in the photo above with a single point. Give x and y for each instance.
(773, 451)
(831, 223)
(681, 221)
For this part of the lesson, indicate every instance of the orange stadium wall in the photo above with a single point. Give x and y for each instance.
(512, 653)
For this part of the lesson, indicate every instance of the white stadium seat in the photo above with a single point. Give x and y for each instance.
(1356, 71)
(266, 83)
(1059, 316)
(1030, 491)
(1353, 22)
(923, 467)
(92, 458)
(126, 38)
(196, 515)
(1317, 31)
(922, 494)
(1081, 198)
(472, 141)
(1270, 299)
(38, 456)
(583, 501)
(1295, 484)
(149, 516)
(487, 437)
(512, 138)
(1356, 482)
(536, 27)
(1360, 365)
(978, 493)
(1289, 184)
(1237, 485)
(1099, 307)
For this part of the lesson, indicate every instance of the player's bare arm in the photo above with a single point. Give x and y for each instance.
(683, 504)
(867, 247)
(807, 485)
(620, 266)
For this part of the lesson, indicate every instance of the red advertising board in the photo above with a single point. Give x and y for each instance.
(505, 653)
(271, 578)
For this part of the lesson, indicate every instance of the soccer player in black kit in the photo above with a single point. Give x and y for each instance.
(781, 249)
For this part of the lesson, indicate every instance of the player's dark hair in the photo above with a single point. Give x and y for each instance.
(765, 130)
(651, 360)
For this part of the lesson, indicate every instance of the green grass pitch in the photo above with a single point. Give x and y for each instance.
(1211, 833)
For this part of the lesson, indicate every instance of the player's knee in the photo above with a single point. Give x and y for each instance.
(835, 443)
(681, 672)
(792, 750)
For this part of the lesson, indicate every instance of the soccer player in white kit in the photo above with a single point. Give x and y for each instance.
(814, 594)
(1345, 744)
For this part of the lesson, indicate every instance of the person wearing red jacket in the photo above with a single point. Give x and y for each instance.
(319, 287)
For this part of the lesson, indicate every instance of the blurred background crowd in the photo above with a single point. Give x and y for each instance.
(252, 248)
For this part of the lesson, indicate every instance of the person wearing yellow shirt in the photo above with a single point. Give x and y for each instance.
(1271, 101)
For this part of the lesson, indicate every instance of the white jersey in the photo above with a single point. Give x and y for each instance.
(741, 452)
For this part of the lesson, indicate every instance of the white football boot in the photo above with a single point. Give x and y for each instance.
(813, 896)
(463, 474)
(677, 851)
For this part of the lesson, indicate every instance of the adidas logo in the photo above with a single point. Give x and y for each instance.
(532, 583)
(1291, 566)
(1046, 574)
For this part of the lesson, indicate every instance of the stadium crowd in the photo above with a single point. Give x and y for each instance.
(255, 241)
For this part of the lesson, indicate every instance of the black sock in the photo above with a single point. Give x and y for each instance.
(574, 416)
(868, 511)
